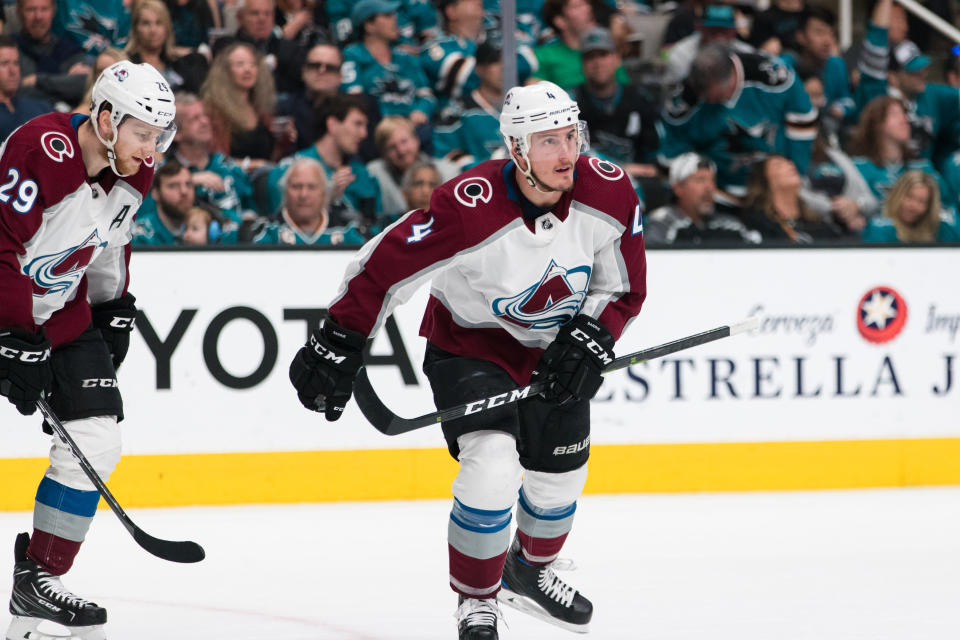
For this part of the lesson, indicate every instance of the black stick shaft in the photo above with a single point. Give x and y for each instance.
(173, 551)
(389, 423)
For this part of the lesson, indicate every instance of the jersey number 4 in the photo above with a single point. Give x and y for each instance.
(26, 192)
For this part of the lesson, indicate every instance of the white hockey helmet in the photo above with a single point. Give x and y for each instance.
(139, 91)
(537, 107)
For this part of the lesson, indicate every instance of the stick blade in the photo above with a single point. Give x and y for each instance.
(175, 551)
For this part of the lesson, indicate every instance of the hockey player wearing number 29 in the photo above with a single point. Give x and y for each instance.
(72, 187)
(537, 265)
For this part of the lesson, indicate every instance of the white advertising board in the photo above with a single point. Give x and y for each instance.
(852, 344)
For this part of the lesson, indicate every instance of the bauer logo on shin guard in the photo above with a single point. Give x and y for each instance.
(573, 448)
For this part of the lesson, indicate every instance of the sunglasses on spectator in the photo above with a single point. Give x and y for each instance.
(322, 67)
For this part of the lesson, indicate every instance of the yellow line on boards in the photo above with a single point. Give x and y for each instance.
(407, 474)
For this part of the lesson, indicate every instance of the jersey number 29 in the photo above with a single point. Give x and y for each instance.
(26, 192)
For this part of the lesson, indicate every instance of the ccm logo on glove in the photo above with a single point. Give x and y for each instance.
(25, 356)
(324, 352)
(592, 345)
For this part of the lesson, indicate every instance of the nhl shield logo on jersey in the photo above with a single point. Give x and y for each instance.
(58, 272)
(470, 191)
(550, 302)
(606, 169)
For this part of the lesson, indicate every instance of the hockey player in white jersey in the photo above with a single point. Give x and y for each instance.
(537, 265)
(72, 185)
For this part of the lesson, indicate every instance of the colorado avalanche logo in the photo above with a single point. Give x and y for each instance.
(606, 169)
(56, 145)
(120, 74)
(473, 190)
(881, 315)
(57, 273)
(549, 303)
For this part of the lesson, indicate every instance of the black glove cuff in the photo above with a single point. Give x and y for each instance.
(24, 346)
(115, 315)
(341, 337)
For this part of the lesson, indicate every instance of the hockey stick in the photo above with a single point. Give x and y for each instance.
(185, 551)
(389, 423)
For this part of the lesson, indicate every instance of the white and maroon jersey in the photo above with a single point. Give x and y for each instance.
(64, 239)
(502, 285)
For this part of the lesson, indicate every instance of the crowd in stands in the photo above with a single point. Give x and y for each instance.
(320, 123)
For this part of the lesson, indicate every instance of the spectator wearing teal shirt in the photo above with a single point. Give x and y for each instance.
(817, 41)
(470, 132)
(450, 60)
(882, 147)
(217, 178)
(933, 110)
(304, 219)
(736, 108)
(912, 213)
(375, 68)
(341, 125)
(161, 217)
(93, 24)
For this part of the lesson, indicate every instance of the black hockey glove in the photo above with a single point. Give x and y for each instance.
(115, 320)
(25, 372)
(323, 370)
(573, 363)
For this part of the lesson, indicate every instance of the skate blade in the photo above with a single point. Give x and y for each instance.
(24, 628)
(528, 606)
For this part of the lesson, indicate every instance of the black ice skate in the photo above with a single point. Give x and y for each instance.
(477, 619)
(38, 597)
(539, 592)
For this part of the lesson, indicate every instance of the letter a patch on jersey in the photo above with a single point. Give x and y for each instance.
(637, 221)
(120, 217)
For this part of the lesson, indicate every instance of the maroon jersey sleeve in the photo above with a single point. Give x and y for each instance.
(35, 172)
(389, 268)
(619, 283)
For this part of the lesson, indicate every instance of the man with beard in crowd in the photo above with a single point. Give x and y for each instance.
(161, 218)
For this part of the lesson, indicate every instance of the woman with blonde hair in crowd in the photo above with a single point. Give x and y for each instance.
(152, 41)
(912, 213)
(774, 208)
(239, 96)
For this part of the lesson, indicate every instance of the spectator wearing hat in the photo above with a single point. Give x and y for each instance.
(416, 23)
(622, 119)
(450, 60)
(933, 110)
(692, 218)
(735, 108)
(375, 68)
(559, 60)
(469, 132)
(717, 23)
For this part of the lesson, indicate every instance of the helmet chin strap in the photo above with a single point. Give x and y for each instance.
(111, 154)
(533, 180)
